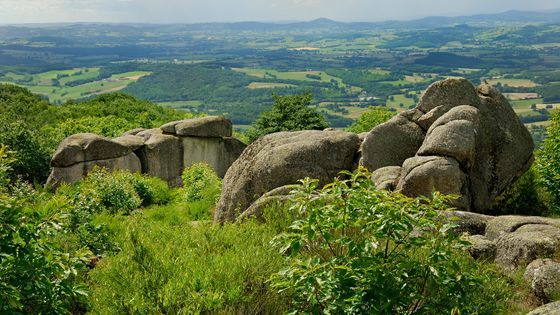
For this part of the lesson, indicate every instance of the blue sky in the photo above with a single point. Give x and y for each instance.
(191, 11)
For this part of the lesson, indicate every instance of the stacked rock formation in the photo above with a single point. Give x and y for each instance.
(161, 152)
(458, 140)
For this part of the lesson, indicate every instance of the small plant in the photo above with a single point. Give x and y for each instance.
(357, 250)
(200, 181)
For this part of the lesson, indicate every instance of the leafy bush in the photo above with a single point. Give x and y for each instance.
(36, 275)
(358, 250)
(289, 113)
(370, 119)
(117, 192)
(201, 269)
(548, 163)
(32, 159)
(200, 181)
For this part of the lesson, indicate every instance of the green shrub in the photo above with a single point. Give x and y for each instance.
(358, 250)
(548, 163)
(370, 119)
(117, 192)
(201, 268)
(524, 197)
(36, 275)
(201, 182)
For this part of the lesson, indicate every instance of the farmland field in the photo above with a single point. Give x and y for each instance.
(267, 85)
(513, 82)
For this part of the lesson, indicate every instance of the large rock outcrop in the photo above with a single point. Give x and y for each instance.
(458, 140)
(161, 152)
(281, 159)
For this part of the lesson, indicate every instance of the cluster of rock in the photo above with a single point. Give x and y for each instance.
(161, 152)
(514, 242)
(458, 140)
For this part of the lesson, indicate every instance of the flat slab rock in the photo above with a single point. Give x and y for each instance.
(85, 147)
(208, 127)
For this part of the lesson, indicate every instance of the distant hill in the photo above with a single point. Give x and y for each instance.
(510, 17)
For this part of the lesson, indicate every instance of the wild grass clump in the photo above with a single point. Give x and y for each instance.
(189, 269)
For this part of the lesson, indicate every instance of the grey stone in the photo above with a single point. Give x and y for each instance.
(133, 132)
(517, 249)
(74, 173)
(510, 223)
(468, 222)
(85, 147)
(544, 276)
(453, 135)
(448, 93)
(209, 127)
(548, 309)
(423, 175)
(132, 142)
(391, 143)
(481, 248)
(280, 159)
(162, 156)
(386, 178)
(219, 153)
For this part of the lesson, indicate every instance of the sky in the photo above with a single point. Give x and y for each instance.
(194, 11)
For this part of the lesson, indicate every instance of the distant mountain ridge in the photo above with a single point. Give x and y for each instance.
(513, 16)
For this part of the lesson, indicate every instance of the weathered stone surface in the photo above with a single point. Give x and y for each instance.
(481, 248)
(529, 274)
(453, 135)
(448, 93)
(468, 222)
(548, 309)
(386, 178)
(162, 156)
(517, 249)
(475, 126)
(132, 142)
(280, 159)
(275, 196)
(504, 149)
(148, 133)
(422, 175)
(133, 132)
(391, 143)
(84, 147)
(426, 120)
(219, 153)
(510, 223)
(74, 173)
(210, 127)
(544, 276)
(169, 128)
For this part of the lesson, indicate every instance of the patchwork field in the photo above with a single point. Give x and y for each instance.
(514, 82)
(289, 75)
(267, 85)
(56, 84)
